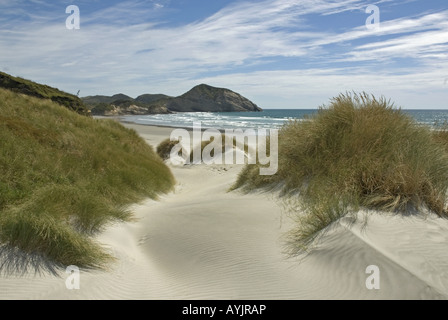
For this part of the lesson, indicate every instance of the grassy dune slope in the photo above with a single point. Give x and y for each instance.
(360, 152)
(42, 91)
(63, 176)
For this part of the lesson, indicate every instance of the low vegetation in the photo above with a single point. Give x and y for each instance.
(166, 146)
(227, 143)
(359, 152)
(63, 177)
(42, 91)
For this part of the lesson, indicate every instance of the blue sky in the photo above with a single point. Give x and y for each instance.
(278, 53)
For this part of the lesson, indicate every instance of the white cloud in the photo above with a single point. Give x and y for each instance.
(108, 54)
(313, 87)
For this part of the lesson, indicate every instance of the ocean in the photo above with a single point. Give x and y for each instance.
(267, 119)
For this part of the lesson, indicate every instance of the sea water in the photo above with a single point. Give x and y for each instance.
(266, 119)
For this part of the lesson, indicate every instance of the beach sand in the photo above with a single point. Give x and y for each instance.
(203, 242)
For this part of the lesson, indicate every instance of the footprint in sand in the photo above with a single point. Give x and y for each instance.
(220, 170)
(143, 239)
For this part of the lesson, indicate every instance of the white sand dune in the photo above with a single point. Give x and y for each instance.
(202, 242)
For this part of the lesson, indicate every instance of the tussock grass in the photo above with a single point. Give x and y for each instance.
(441, 136)
(199, 149)
(64, 176)
(164, 148)
(227, 143)
(359, 152)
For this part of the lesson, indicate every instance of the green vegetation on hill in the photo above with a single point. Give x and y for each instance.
(41, 91)
(149, 98)
(204, 90)
(101, 108)
(63, 177)
(93, 100)
(121, 104)
(205, 98)
(201, 98)
(360, 152)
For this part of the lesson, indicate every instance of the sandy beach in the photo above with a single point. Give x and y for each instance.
(203, 242)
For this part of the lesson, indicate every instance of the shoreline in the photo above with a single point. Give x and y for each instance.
(117, 118)
(121, 119)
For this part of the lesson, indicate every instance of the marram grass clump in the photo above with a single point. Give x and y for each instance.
(359, 152)
(164, 148)
(63, 177)
(224, 144)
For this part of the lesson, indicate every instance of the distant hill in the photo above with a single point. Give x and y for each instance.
(205, 98)
(42, 91)
(92, 100)
(148, 98)
(201, 98)
(121, 104)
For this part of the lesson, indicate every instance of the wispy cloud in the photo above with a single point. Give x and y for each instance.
(313, 87)
(413, 38)
(127, 47)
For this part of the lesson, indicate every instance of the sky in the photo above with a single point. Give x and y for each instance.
(277, 53)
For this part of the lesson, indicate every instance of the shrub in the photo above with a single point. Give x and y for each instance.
(358, 152)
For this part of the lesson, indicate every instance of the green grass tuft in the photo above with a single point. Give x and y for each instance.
(360, 152)
(164, 148)
(63, 177)
(227, 143)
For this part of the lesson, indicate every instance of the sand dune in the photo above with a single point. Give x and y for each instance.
(202, 242)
